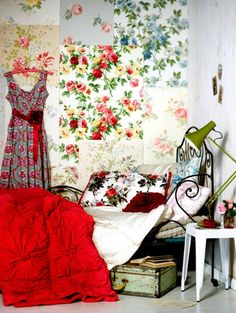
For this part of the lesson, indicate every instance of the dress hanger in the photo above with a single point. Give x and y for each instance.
(27, 70)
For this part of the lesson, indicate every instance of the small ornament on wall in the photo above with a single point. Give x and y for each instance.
(214, 85)
(220, 69)
(218, 90)
(220, 95)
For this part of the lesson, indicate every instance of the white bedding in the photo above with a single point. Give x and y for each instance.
(117, 235)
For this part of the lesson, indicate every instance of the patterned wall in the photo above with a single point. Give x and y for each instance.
(118, 96)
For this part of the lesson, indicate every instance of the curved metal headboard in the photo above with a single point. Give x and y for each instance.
(186, 152)
(67, 192)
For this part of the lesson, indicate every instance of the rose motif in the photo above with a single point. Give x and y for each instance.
(70, 149)
(73, 123)
(76, 9)
(74, 60)
(111, 192)
(106, 27)
(96, 136)
(35, 117)
(181, 113)
(97, 73)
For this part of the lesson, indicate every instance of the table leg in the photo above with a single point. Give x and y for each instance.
(200, 260)
(224, 255)
(187, 245)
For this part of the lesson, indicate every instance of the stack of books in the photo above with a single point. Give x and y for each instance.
(155, 261)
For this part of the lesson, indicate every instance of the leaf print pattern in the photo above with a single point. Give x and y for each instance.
(160, 27)
(30, 5)
(30, 46)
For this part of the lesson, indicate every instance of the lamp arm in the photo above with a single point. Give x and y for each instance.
(222, 149)
(218, 192)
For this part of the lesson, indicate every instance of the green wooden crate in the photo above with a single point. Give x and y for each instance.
(136, 280)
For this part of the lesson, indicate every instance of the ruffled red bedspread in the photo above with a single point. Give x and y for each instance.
(47, 255)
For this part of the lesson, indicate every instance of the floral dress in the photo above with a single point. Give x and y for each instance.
(25, 161)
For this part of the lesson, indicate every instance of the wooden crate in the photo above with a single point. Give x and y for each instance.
(136, 280)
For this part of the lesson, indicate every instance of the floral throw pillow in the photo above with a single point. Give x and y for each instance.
(145, 202)
(117, 189)
(191, 197)
(185, 169)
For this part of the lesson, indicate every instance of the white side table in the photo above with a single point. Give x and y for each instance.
(201, 235)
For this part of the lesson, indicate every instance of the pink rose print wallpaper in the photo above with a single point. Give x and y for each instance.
(166, 124)
(86, 22)
(118, 93)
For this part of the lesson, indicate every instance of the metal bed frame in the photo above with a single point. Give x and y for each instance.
(205, 178)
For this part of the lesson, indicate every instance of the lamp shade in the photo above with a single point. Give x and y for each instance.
(196, 139)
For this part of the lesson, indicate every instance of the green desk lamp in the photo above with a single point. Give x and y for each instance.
(196, 140)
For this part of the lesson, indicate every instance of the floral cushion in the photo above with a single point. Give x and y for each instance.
(185, 169)
(117, 189)
(191, 197)
(145, 202)
(179, 170)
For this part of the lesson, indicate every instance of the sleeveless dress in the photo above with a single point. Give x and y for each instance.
(25, 161)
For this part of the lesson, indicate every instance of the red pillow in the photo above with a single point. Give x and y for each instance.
(145, 202)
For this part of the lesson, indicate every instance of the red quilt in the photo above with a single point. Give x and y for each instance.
(47, 255)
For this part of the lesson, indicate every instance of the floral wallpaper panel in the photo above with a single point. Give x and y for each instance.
(28, 46)
(165, 123)
(65, 175)
(160, 27)
(100, 94)
(30, 12)
(87, 22)
(109, 155)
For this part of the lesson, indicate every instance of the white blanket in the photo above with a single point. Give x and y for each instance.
(117, 235)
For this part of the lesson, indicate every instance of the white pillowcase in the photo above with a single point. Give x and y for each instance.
(190, 205)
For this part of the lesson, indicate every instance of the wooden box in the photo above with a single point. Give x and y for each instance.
(130, 279)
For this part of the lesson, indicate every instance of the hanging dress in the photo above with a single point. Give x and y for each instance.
(25, 161)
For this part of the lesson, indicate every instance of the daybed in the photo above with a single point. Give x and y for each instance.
(158, 231)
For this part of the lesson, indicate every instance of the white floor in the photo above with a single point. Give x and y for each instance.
(213, 299)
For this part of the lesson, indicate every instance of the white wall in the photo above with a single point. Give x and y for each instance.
(212, 41)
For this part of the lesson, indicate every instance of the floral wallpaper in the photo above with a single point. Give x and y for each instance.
(96, 155)
(100, 95)
(35, 12)
(160, 27)
(87, 22)
(28, 46)
(118, 93)
(162, 134)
